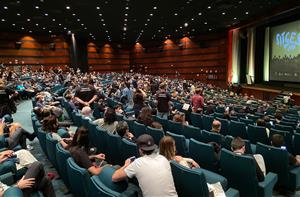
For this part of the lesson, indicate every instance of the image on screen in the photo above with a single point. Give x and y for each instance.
(285, 52)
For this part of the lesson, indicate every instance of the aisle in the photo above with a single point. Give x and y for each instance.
(23, 116)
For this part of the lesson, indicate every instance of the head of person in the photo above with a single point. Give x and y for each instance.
(110, 116)
(145, 113)
(85, 80)
(80, 138)
(163, 86)
(167, 147)
(179, 117)
(238, 145)
(278, 116)
(146, 144)
(198, 91)
(156, 125)
(86, 111)
(277, 140)
(50, 124)
(216, 126)
(260, 122)
(122, 128)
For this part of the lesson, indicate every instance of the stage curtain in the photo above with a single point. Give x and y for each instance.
(267, 54)
(250, 55)
(236, 56)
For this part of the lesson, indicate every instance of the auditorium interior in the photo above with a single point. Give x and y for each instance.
(150, 98)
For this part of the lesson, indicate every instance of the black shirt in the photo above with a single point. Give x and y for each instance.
(163, 99)
(81, 157)
(85, 93)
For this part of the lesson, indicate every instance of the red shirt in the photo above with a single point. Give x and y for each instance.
(197, 101)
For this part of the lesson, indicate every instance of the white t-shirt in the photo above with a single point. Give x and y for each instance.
(154, 175)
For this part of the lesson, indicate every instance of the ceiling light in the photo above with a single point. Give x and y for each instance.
(50, 31)
(186, 24)
(98, 8)
(78, 19)
(102, 19)
(193, 29)
(13, 24)
(208, 7)
(246, 12)
(209, 29)
(205, 23)
(146, 24)
(100, 14)
(5, 7)
(154, 8)
(53, 19)
(59, 24)
(148, 19)
(234, 18)
(22, 27)
(151, 14)
(192, 19)
(126, 14)
(74, 14)
(37, 7)
(44, 28)
(180, 27)
(106, 31)
(82, 24)
(18, 14)
(223, 13)
(46, 14)
(200, 13)
(124, 28)
(65, 28)
(175, 14)
(30, 31)
(85, 28)
(125, 19)
(68, 7)
(103, 24)
(36, 24)
(127, 8)
(3, 20)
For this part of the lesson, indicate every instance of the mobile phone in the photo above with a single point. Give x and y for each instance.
(132, 158)
(283, 147)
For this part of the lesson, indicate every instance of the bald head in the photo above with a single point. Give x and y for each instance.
(216, 126)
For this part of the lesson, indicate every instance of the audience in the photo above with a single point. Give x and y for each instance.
(123, 131)
(109, 122)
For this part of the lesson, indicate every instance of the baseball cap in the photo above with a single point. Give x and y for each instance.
(146, 142)
(7, 119)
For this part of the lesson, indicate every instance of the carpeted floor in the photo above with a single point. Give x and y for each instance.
(23, 116)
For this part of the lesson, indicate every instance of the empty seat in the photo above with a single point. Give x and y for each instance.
(208, 136)
(138, 129)
(61, 157)
(51, 149)
(175, 127)
(238, 129)
(192, 132)
(196, 120)
(113, 149)
(207, 122)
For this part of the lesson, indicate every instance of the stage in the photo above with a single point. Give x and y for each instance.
(269, 92)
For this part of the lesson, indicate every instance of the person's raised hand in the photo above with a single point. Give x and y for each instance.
(25, 183)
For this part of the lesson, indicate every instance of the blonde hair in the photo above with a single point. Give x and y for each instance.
(167, 147)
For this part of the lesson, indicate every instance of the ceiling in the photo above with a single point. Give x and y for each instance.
(129, 21)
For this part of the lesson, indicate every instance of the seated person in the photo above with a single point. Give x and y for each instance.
(262, 123)
(156, 125)
(145, 116)
(86, 113)
(34, 180)
(79, 150)
(123, 131)
(277, 141)
(167, 148)
(180, 117)
(16, 135)
(109, 122)
(238, 147)
(216, 126)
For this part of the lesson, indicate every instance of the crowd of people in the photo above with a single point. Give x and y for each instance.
(140, 97)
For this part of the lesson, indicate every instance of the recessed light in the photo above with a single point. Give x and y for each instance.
(205, 23)
(100, 14)
(127, 8)
(103, 24)
(50, 31)
(98, 8)
(124, 28)
(74, 14)
(46, 14)
(186, 24)
(65, 28)
(82, 24)
(85, 27)
(18, 14)
(28, 19)
(102, 19)
(5, 7)
(146, 24)
(209, 29)
(36, 24)
(13, 24)
(200, 13)
(44, 28)
(3, 20)
(126, 14)
(59, 24)
(30, 31)
(208, 7)
(37, 7)
(125, 19)
(22, 27)
(223, 13)
(68, 7)
(246, 12)
(175, 14)
(154, 8)
(151, 14)
(234, 18)
(148, 19)
(192, 19)
(53, 19)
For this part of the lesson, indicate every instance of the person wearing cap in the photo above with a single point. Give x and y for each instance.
(152, 170)
(163, 102)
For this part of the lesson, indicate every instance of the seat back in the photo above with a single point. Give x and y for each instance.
(130, 122)
(204, 155)
(157, 134)
(92, 133)
(297, 143)
(238, 129)
(208, 136)
(85, 122)
(175, 127)
(188, 182)
(240, 172)
(129, 149)
(257, 134)
(78, 119)
(41, 134)
(284, 128)
(51, 149)
(207, 122)
(192, 132)
(163, 122)
(227, 144)
(113, 150)
(181, 143)
(224, 126)
(138, 129)
(79, 179)
(61, 157)
(276, 160)
(101, 140)
(196, 120)
(247, 121)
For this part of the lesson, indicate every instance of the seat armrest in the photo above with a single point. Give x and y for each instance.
(7, 178)
(232, 193)
(270, 180)
(212, 177)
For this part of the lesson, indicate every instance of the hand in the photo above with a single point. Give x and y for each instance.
(130, 135)
(127, 162)
(7, 153)
(178, 158)
(26, 183)
(100, 156)
(86, 104)
(195, 164)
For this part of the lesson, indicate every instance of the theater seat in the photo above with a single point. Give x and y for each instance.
(61, 157)
(157, 134)
(103, 186)
(238, 129)
(192, 132)
(79, 179)
(189, 182)
(257, 134)
(51, 149)
(129, 149)
(196, 120)
(277, 161)
(41, 135)
(204, 155)
(175, 127)
(138, 129)
(207, 122)
(181, 144)
(113, 150)
(240, 171)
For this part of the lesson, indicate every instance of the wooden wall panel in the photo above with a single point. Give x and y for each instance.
(34, 51)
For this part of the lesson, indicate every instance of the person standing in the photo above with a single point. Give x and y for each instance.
(86, 94)
(163, 102)
(197, 101)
